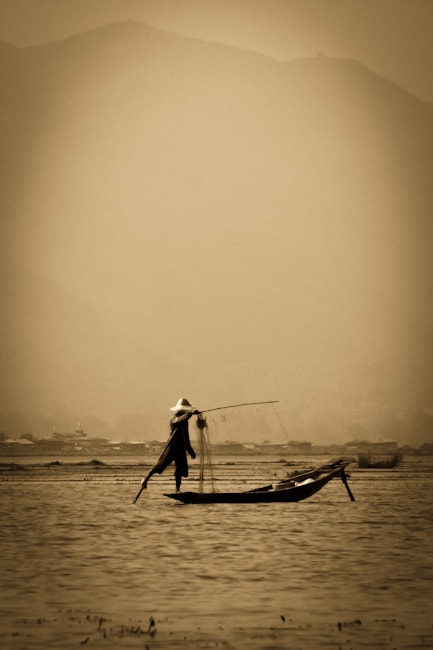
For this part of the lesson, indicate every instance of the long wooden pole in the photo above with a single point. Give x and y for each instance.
(232, 406)
(141, 490)
(346, 485)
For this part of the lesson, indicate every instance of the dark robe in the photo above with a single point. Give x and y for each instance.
(177, 447)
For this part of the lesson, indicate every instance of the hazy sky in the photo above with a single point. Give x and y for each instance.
(392, 37)
(165, 208)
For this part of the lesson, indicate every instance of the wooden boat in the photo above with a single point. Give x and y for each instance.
(296, 488)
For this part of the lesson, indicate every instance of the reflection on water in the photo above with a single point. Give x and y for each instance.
(73, 542)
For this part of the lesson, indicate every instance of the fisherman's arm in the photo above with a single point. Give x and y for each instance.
(184, 416)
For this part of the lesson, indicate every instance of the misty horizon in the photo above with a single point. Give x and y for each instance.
(189, 218)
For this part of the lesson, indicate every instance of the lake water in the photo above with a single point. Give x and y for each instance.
(81, 565)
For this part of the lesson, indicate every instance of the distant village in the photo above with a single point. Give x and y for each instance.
(79, 443)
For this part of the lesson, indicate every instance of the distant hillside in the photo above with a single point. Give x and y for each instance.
(213, 223)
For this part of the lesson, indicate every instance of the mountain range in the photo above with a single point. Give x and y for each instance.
(184, 218)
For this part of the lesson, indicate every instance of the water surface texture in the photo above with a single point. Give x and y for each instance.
(82, 565)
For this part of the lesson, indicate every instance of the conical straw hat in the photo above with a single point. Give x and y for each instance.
(182, 405)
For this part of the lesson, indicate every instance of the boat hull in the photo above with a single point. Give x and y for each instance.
(298, 488)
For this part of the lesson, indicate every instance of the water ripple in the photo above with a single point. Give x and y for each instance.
(81, 545)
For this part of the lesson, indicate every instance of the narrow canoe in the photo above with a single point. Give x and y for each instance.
(296, 488)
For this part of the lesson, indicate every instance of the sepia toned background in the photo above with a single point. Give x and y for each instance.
(229, 201)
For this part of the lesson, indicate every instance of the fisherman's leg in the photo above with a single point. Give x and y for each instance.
(178, 477)
(145, 480)
(156, 469)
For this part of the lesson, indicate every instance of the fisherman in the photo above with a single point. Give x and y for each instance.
(178, 444)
